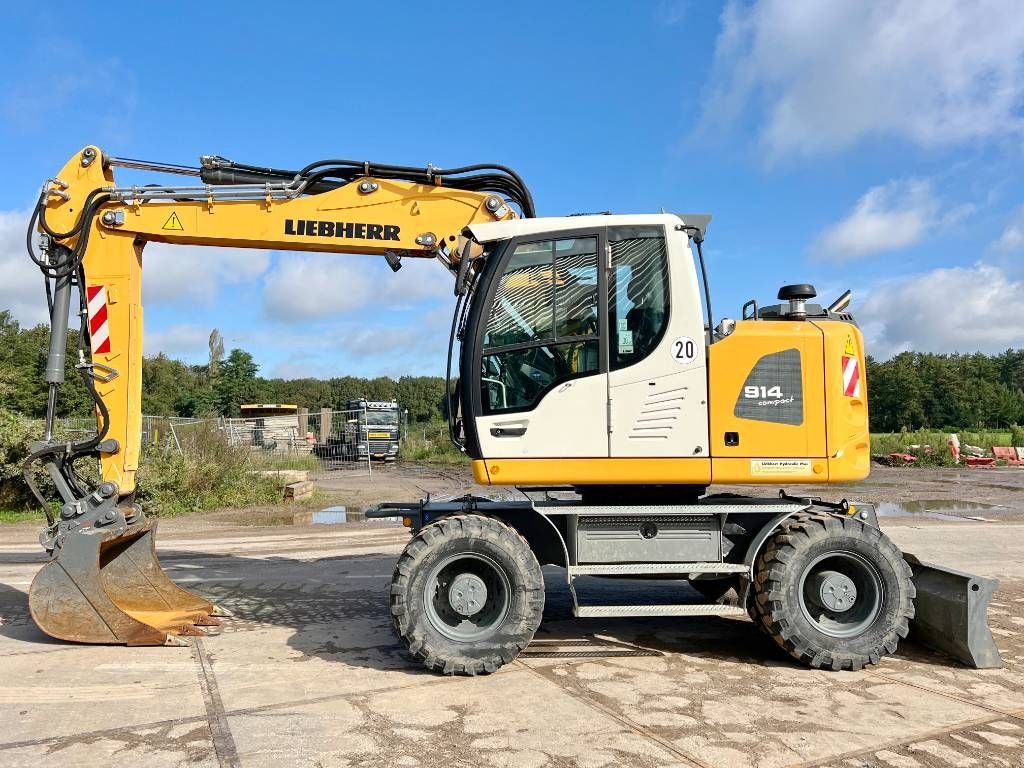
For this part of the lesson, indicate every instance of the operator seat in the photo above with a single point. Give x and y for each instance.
(646, 320)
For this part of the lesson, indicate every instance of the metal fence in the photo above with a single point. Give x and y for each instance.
(322, 443)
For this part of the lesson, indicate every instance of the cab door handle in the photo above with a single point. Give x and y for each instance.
(508, 431)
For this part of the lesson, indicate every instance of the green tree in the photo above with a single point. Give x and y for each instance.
(236, 382)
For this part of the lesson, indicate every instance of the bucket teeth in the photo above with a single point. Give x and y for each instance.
(189, 630)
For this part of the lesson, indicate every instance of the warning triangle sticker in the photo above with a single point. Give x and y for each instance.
(174, 223)
(849, 341)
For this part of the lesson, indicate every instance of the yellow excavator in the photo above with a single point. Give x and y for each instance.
(590, 375)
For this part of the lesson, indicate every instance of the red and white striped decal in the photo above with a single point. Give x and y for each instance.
(99, 327)
(851, 376)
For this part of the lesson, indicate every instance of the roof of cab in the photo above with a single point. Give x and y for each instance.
(487, 232)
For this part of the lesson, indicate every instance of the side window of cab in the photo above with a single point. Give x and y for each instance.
(637, 293)
(543, 325)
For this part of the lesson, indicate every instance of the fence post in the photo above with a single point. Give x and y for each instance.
(325, 424)
(303, 424)
(369, 458)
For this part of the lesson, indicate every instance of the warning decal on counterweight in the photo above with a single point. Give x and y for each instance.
(780, 466)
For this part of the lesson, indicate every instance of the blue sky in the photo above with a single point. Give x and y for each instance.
(870, 145)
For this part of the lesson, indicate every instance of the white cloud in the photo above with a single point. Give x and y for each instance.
(182, 342)
(886, 218)
(304, 287)
(177, 273)
(954, 309)
(418, 348)
(827, 75)
(171, 274)
(1012, 238)
(21, 282)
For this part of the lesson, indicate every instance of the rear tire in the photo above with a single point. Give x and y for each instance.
(467, 595)
(834, 593)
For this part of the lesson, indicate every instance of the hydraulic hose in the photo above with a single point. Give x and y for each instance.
(483, 177)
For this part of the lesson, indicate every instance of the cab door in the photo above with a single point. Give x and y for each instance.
(542, 357)
(657, 381)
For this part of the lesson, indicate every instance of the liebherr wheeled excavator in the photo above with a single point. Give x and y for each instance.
(590, 375)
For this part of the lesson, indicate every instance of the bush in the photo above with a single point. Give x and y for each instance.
(1017, 435)
(430, 443)
(16, 435)
(207, 473)
(931, 448)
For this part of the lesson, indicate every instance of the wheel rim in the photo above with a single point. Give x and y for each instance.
(466, 596)
(841, 594)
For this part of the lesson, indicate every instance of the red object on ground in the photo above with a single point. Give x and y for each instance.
(1009, 455)
(978, 461)
(906, 458)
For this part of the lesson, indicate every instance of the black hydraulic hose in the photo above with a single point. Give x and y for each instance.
(73, 451)
(704, 274)
(448, 373)
(504, 180)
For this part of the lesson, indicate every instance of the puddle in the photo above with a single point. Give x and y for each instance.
(939, 509)
(329, 516)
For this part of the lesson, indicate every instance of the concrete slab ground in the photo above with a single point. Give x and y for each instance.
(307, 673)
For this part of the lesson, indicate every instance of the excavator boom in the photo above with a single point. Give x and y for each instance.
(104, 583)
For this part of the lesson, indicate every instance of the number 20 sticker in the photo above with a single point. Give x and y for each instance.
(684, 350)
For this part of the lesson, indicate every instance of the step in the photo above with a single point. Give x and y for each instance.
(626, 569)
(635, 611)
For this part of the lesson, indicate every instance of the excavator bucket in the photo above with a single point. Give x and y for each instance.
(108, 588)
(952, 613)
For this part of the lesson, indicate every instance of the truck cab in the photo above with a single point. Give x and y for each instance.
(373, 429)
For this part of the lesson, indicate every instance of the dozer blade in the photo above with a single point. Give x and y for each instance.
(106, 588)
(952, 613)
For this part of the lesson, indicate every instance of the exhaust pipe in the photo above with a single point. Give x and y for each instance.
(842, 302)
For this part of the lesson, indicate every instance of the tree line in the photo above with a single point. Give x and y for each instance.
(174, 388)
(916, 390)
(913, 390)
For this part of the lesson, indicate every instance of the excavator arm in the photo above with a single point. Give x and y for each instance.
(104, 583)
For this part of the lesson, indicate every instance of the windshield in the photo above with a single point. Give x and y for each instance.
(382, 418)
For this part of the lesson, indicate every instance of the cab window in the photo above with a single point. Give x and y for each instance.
(543, 324)
(637, 293)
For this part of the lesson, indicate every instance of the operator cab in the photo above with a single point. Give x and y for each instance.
(586, 338)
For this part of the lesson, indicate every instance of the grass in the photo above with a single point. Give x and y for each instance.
(429, 443)
(931, 445)
(19, 515)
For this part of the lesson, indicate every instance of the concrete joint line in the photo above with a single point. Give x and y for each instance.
(895, 743)
(216, 719)
(109, 732)
(1018, 715)
(621, 719)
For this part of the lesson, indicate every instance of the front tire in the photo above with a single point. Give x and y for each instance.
(834, 593)
(467, 595)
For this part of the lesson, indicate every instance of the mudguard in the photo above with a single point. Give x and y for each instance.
(952, 613)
